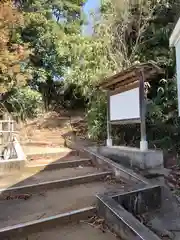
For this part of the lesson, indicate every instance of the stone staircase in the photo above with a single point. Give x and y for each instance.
(75, 194)
(53, 197)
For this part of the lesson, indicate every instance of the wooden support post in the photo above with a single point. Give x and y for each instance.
(142, 102)
(109, 137)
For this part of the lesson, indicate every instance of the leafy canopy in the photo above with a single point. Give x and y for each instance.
(11, 54)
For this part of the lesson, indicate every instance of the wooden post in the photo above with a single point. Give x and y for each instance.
(109, 137)
(142, 102)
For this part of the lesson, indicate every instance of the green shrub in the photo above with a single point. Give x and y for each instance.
(25, 102)
(97, 115)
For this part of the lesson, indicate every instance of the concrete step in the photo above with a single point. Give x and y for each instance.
(50, 202)
(74, 231)
(23, 231)
(53, 157)
(37, 177)
(34, 188)
(46, 165)
(54, 153)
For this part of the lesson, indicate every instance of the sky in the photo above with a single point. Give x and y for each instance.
(91, 5)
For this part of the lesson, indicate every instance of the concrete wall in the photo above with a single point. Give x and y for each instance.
(133, 157)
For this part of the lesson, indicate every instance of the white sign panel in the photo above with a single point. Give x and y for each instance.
(178, 72)
(125, 106)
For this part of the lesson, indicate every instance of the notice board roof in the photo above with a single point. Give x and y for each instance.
(129, 78)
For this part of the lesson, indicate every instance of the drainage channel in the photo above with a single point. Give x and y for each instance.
(124, 212)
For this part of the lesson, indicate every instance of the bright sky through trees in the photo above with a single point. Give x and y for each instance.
(90, 6)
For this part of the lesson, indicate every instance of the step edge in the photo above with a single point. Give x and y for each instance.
(2, 190)
(28, 155)
(47, 219)
(59, 163)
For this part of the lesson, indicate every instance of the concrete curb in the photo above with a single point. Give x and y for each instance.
(133, 157)
(8, 166)
(107, 164)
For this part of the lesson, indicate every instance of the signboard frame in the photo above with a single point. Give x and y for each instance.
(129, 107)
(141, 120)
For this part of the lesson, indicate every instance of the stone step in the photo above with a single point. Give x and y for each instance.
(50, 202)
(45, 165)
(50, 153)
(34, 188)
(74, 231)
(50, 223)
(16, 167)
(47, 160)
(37, 177)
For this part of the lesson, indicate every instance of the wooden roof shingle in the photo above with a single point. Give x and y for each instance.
(129, 78)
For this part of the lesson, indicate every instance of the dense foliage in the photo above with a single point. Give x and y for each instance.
(25, 102)
(49, 27)
(65, 66)
(46, 30)
(11, 53)
(140, 33)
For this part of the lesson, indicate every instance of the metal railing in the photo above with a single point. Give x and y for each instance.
(7, 132)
